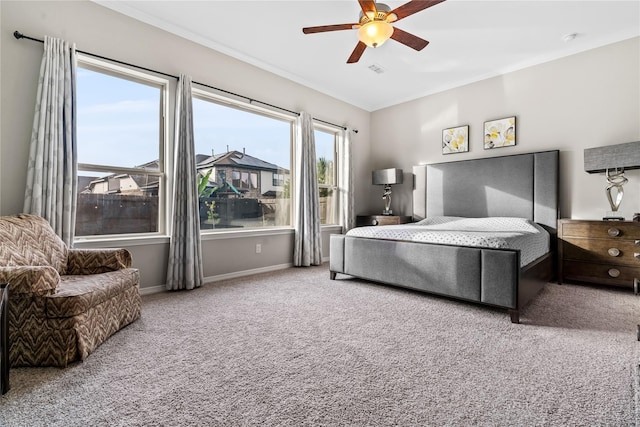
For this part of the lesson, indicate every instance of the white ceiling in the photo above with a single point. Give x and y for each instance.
(470, 40)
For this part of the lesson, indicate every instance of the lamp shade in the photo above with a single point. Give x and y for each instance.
(375, 33)
(600, 159)
(387, 176)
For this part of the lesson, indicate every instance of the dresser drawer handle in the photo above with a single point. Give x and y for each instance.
(636, 255)
(637, 242)
(613, 232)
(614, 272)
(614, 251)
(374, 222)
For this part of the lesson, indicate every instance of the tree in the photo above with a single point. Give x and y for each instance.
(203, 189)
(323, 167)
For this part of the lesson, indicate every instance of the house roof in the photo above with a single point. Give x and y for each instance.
(235, 158)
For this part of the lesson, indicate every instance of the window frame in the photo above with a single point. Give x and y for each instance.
(242, 105)
(335, 188)
(106, 67)
(277, 179)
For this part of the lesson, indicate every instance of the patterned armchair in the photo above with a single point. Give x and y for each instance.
(63, 302)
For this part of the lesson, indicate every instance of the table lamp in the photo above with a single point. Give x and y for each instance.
(613, 160)
(387, 177)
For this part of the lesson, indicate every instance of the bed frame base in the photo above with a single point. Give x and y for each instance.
(527, 283)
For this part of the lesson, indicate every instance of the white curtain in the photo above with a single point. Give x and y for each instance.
(51, 190)
(307, 241)
(345, 184)
(185, 252)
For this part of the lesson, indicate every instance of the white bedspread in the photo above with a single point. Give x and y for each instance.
(495, 232)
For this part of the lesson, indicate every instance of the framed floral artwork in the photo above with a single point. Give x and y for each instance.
(500, 133)
(455, 140)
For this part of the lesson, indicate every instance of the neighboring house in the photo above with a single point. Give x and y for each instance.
(236, 174)
(246, 187)
(242, 188)
(122, 183)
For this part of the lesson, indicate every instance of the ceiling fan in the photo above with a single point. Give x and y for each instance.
(374, 26)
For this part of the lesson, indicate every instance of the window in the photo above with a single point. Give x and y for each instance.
(326, 162)
(245, 180)
(235, 179)
(277, 179)
(120, 138)
(251, 150)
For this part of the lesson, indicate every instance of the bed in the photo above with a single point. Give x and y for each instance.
(522, 186)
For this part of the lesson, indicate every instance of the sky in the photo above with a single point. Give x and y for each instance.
(117, 116)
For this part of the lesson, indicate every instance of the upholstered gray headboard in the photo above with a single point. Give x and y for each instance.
(520, 185)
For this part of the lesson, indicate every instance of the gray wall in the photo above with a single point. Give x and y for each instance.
(101, 31)
(586, 100)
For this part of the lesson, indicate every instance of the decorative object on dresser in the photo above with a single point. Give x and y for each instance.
(364, 220)
(387, 177)
(601, 252)
(4, 338)
(613, 160)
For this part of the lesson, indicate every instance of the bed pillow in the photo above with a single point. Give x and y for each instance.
(436, 220)
(485, 224)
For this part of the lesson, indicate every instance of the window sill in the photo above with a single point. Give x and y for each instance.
(118, 241)
(112, 241)
(238, 234)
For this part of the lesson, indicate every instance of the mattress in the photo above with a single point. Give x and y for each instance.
(521, 234)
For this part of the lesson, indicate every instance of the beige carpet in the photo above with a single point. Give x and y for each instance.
(293, 348)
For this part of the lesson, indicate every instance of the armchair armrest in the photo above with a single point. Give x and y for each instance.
(96, 261)
(31, 280)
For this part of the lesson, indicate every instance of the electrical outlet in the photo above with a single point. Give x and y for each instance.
(258, 248)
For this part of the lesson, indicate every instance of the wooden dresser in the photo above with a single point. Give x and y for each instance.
(362, 220)
(604, 252)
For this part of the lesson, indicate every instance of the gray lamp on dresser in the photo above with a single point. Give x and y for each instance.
(387, 177)
(613, 160)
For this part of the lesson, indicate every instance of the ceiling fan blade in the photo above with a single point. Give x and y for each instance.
(357, 53)
(368, 6)
(413, 7)
(409, 39)
(325, 28)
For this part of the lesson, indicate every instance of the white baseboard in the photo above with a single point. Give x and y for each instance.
(244, 273)
(147, 290)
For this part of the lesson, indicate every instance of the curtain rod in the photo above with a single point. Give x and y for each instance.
(18, 35)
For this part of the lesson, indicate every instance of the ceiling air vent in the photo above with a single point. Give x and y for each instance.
(376, 68)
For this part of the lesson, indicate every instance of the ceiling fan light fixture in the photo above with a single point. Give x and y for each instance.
(375, 33)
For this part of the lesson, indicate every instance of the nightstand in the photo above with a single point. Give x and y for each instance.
(603, 252)
(362, 220)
